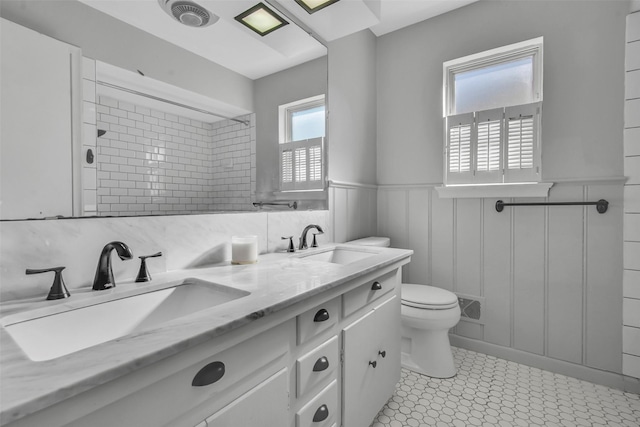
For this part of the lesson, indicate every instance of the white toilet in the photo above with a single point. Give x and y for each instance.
(427, 315)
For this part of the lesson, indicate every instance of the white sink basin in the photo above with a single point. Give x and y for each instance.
(51, 336)
(339, 255)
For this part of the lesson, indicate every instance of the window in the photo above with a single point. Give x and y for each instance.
(302, 130)
(492, 109)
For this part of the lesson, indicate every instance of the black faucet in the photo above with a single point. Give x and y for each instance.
(303, 238)
(58, 289)
(104, 274)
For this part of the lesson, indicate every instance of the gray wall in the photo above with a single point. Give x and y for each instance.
(300, 82)
(112, 41)
(550, 278)
(583, 84)
(352, 107)
(352, 136)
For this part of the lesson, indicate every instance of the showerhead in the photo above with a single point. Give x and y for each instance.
(188, 13)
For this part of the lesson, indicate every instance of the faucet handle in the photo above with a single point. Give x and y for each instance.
(314, 242)
(143, 273)
(291, 247)
(58, 289)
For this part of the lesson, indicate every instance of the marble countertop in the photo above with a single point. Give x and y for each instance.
(275, 282)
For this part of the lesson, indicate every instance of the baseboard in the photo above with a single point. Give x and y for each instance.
(581, 372)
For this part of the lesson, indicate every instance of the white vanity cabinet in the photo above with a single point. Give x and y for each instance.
(367, 336)
(330, 360)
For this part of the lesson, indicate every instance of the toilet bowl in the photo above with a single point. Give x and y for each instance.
(427, 314)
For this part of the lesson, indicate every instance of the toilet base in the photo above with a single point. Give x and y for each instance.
(428, 354)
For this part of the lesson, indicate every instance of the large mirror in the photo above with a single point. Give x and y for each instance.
(137, 114)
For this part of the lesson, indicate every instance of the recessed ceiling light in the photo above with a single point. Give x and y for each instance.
(261, 19)
(312, 6)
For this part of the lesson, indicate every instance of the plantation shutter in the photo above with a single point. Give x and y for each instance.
(522, 149)
(315, 163)
(459, 156)
(488, 160)
(286, 169)
(301, 164)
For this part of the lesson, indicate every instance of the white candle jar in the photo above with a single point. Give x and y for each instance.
(244, 249)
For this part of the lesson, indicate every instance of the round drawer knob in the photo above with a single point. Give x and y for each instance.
(376, 286)
(321, 414)
(209, 374)
(374, 364)
(321, 315)
(321, 364)
(382, 353)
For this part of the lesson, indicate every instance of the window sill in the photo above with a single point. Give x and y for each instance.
(318, 194)
(494, 190)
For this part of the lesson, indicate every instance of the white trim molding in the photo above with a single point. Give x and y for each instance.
(582, 372)
(343, 184)
(533, 189)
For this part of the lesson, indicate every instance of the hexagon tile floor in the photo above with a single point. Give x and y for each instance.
(488, 391)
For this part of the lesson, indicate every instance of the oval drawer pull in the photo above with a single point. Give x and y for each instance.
(376, 286)
(383, 353)
(321, 414)
(209, 374)
(374, 364)
(321, 364)
(321, 315)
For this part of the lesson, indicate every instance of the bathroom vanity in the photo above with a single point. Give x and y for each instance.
(311, 339)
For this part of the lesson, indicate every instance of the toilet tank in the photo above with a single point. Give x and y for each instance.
(372, 241)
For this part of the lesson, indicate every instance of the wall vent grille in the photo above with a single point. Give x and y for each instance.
(471, 308)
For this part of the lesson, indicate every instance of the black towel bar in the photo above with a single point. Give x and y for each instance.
(601, 205)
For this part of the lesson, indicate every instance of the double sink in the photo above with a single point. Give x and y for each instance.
(43, 335)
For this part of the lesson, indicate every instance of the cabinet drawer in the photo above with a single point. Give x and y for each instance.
(322, 410)
(237, 364)
(317, 365)
(265, 405)
(319, 319)
(359, 297)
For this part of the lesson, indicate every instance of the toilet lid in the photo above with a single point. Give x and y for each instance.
(427, 297)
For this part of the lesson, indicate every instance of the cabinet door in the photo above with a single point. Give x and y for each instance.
(36, 126)
(265, 405)
(371, 363)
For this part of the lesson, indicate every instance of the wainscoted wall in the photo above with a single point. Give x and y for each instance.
(631, 315)
(186, 241)
(353, 210)
(550, 276)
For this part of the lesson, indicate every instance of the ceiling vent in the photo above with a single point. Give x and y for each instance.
(188, 13)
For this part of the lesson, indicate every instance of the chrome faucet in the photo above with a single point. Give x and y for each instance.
(303, 238)
(104, 274)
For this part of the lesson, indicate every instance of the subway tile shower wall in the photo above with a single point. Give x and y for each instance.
(150, 162)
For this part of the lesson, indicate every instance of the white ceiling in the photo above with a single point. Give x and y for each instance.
(235, 47)
(396, 14)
